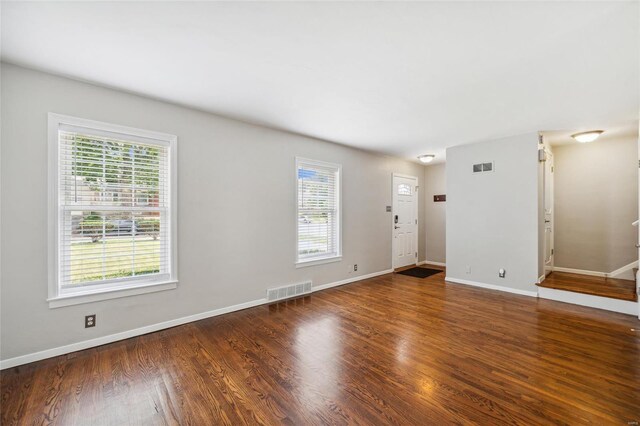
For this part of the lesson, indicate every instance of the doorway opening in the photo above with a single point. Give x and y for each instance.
(588, 205)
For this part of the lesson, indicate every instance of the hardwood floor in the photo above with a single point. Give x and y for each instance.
(389, 350)
(597, 286)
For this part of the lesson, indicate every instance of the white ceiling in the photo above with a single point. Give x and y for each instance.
(400, 78)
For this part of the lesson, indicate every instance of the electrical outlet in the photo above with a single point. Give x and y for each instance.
(502, 273)
(355, 267)
(90, 321)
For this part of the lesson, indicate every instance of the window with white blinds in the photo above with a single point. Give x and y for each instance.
(115, 224)
(318, 211)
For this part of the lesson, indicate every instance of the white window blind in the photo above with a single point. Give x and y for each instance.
(114, 209)
(318, 205)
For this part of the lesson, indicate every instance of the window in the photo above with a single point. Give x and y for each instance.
(318, 212)
(113, 212)
(404, 189)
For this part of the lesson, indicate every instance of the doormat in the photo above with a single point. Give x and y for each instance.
(420, 272)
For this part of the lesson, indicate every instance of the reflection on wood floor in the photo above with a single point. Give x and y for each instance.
(392, 349)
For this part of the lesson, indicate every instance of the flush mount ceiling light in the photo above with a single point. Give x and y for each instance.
(426, 158)
(589, 136)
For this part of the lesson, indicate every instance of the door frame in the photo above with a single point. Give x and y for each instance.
(549, 155)
(417, 194)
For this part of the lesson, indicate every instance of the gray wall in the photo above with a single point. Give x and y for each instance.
(596, 199)
(435, 213)
(236, 215)
(492, 217)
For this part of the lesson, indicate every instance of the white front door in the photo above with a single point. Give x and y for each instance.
(405, 220)
(548, 214)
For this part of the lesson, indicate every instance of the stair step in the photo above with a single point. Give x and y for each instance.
(594, 286)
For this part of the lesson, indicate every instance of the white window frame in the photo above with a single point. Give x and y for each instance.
(110, 289)
(301, 263)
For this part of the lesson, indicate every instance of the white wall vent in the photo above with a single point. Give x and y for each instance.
(483, 167)
(288, 291)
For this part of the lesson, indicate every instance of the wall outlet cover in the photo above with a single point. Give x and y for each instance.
(90, 321)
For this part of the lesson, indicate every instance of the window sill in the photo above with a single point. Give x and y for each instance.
(320, 261)
(106, 294)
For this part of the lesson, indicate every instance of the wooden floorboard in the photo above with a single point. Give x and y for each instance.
(596, 286)
(388, 350)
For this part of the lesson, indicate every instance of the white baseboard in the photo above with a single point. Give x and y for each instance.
(86, 344)
(351, 280)
(626, 272)
(606, 303)
(580, 271)
(493, 287)
(541, 278)
(431, 262)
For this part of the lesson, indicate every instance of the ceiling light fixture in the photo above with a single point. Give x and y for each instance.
(426, 158)
(589, 136)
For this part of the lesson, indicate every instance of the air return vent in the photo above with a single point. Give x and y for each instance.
(288, 291)
(482, 167)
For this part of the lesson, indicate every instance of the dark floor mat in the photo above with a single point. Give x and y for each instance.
(420, 272)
